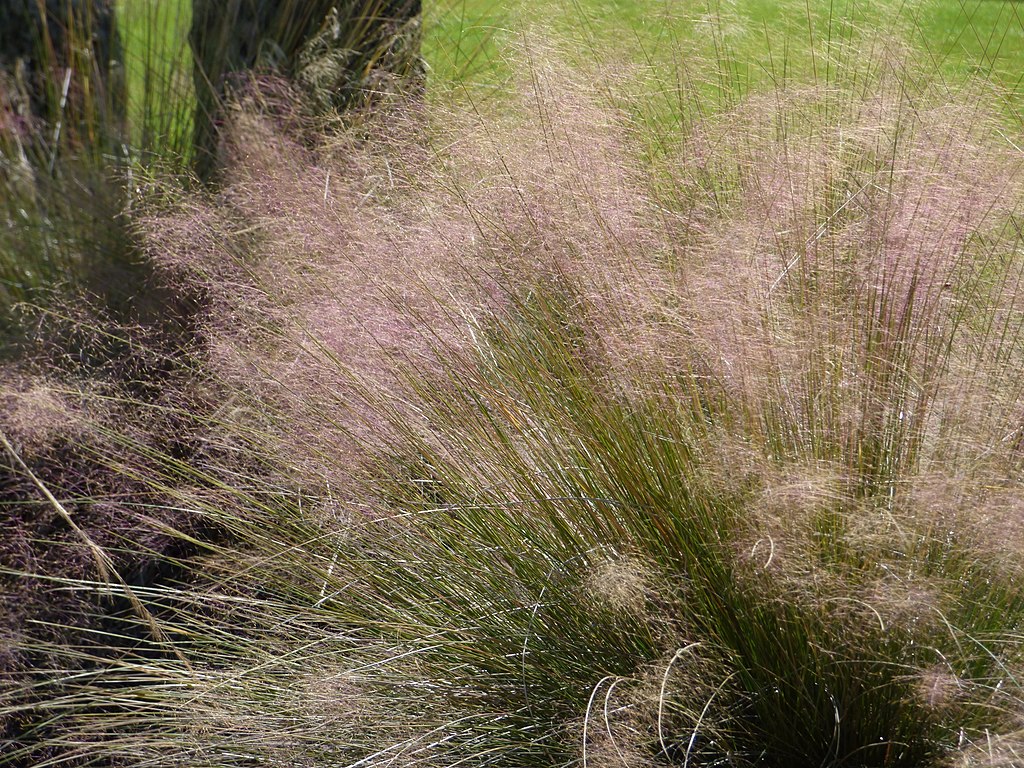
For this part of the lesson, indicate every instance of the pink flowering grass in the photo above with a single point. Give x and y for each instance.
(537, 449)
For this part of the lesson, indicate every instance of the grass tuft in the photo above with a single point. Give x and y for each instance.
(529, 445)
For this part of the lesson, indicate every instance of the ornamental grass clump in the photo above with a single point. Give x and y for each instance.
(532, 454)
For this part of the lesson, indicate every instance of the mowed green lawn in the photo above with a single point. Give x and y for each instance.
(732, 46)
(720, 49)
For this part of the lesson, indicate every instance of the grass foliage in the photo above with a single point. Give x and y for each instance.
(557, 435)
(127, 92)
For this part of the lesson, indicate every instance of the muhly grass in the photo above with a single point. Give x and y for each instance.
(530, 453)
(97, 98)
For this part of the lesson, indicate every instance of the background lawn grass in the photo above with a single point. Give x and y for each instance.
(729, 48)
